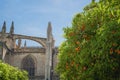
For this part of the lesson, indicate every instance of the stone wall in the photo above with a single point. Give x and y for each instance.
(15, 59)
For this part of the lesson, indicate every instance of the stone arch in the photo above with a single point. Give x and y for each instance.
(27, 43)
(29, 64)
(39, 40)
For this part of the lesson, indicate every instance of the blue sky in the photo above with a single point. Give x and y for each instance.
(31, 17)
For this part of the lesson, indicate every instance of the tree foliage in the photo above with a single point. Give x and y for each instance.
(91, 50)
(8, 72)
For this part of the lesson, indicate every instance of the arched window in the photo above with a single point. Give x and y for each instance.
(28, 64)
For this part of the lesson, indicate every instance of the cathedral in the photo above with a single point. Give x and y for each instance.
(39, 62)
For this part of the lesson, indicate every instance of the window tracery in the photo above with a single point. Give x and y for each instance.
(29, 65)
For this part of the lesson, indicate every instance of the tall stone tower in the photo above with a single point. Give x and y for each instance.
(48, 63)
(6, 40)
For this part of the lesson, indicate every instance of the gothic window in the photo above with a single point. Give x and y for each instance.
(29, 65)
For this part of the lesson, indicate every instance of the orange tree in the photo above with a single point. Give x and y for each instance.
(8, 72)
(91, 50)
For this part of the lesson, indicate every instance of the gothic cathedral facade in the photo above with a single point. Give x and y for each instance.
(39, 62)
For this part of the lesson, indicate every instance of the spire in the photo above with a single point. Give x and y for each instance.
(25, 44)
(19, 43)
(4, 27)
(49, 30)
(12, 28)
